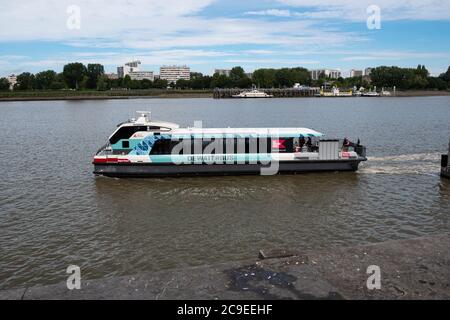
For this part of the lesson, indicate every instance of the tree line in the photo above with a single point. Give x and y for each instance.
(388, 77)
(77, 76)
(409, 78)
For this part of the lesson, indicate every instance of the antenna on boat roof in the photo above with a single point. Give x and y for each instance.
(144, 117)
(145, 114)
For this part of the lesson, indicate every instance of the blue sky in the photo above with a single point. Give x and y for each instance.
(209, 34)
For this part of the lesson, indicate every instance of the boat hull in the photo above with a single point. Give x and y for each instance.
(445, 168)
(162, 170)
(236, 97)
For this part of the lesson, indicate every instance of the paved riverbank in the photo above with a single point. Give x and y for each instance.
(410, 269)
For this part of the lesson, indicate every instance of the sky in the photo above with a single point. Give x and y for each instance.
(37, 35)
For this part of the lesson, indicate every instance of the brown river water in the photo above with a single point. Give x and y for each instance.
(54, 212)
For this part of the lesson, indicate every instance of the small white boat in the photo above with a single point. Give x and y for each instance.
(371, 94)
(253, 94)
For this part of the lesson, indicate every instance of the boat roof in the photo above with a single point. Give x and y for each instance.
(205, 133)
(196, 132)
(153, 123)
(248, 131)
(144, 119)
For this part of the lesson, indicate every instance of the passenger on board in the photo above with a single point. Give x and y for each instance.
(309, 144)
(345, 145)
(302, 142)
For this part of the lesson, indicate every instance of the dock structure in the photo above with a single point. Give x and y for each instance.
(277, 93)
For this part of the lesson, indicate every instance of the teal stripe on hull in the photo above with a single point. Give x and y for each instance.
(213, 158)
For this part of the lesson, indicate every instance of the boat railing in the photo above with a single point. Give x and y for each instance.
(360, 150)
(102, 148)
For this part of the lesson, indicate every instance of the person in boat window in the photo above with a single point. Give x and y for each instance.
(296, 146)
(346, 144)
(309, 144)
(302, 142)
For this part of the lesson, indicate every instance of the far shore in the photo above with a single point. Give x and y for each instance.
(149, 94)
(420, 93)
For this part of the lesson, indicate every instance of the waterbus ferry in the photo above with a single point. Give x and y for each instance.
(144, 148)
(252, 94)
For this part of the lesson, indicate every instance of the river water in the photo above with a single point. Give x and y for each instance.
(54, 212)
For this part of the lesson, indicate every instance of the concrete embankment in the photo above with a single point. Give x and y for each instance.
(409, 269)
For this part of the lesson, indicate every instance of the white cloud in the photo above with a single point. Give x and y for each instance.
(390, 9)
(392, 55)
(146, 23)
(295, 14)
(47, 19)
(154, 25)
(274, 61)
(180, 31)
(270, 12)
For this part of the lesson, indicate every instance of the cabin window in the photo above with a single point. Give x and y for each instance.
(161, 147)
(231, 146)
(282, 145)
(126, 132)
(221, 145)
(240, 145)
(166, 146)
(150, 128)
(125, 144)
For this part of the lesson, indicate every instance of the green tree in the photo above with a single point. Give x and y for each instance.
(25, 81)
(437, 83)
(265, 78)
(160, 84)
(221, 81)
(126, 82)
(203, 82)
(283, 78)
(239, 79)
(196, 75)
(57, 85)
(94, 71)
(183, 84)
(237, 73)
(300, 75)
(244, 82)
(4, 84)
(146, 84)
(74, 73)
(103, 83)
(83, 84)
(135, 84)
(446, 76)
(402, 78)
(45, 79)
